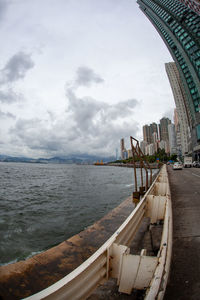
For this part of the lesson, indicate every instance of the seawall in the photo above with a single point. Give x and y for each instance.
(25, 278)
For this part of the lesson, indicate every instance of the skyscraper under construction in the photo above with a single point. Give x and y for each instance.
(179, 27)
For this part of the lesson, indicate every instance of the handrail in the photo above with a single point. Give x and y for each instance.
(110, 259)
(159, 281)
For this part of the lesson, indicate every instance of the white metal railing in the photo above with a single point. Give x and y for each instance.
(113, 258)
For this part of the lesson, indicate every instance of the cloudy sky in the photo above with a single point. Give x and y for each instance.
(77, 75)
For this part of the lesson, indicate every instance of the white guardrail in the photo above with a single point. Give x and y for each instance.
(113, 258)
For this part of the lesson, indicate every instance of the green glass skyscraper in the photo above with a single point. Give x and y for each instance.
(179, 27)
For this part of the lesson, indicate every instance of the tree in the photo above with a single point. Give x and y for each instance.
(173, 157)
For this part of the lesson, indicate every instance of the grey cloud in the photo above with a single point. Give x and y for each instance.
(6, 115)
(88, 126)
(108, 137)
(62, 139)
(33, 133)
(83, 110)
(121, 109)
(73, 134)
(16, 68)
(169, 114)
(51, 115)
(3, 7)
(9, 96)
(100, 125)
(88, 113)
(86, 76)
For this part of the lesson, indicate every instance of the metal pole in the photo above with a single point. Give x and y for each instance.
(134, 165)
(142, 160)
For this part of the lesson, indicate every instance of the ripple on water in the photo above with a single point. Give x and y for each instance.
(42, 205)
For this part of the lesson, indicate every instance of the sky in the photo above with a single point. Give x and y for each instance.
(78, 75)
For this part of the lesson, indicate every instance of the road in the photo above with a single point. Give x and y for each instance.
(184, 281)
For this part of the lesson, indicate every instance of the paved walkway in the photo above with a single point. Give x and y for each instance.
(184, 281)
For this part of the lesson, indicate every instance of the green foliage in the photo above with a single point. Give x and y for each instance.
(173, 157)
(159, 156)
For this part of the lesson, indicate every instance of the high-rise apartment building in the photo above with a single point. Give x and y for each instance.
(178, 133)
(130, 153)
(181, 106)
(192, 4)
(153, 129)
(172, 139)
(176, 121)
(146, 134)
(163, 145)
(150, 143)
(178, 26)
(143, 145)
(122, 148)
(163, 126)
(155, 137)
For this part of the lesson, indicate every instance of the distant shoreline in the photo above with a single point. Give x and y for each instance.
(128, 165)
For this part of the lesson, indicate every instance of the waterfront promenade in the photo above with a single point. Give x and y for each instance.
(24, 278)
(184, 283)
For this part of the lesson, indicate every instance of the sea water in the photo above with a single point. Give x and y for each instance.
(42, 205)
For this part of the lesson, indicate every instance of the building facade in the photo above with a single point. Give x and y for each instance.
(153, 132)
(150, 149)
(143, 145)
(184, 117)
(163, 145)
(172, 139)
(146, 134)
(149, 132)
(130, 153)
(178, 26)
(178, 133)
(163, 127)
(192, 4)
(122, 148)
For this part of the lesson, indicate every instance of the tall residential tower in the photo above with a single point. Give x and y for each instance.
(178, 25)
(181, 106)
(122, 148)
(163, 127)
(193, 4)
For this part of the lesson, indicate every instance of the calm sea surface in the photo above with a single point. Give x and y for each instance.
(42, 205)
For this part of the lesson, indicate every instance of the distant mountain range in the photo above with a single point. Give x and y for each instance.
(70, 159)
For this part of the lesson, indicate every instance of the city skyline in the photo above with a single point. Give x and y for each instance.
(156, 136)
(76, 77)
